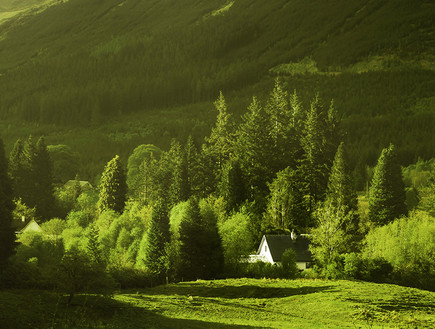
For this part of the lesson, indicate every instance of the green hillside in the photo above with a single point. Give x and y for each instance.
(242, 303)
(85, 63)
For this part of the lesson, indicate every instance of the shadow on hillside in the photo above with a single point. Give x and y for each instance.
(398, 305)
(97, 311)
(245, 291)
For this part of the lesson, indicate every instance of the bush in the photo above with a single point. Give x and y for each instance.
(261, 269)
(129, 277)
(369, 269)
(377, 270)
(289, 268)
(77, 273)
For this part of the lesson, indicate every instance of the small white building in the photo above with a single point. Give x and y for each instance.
(272, 248)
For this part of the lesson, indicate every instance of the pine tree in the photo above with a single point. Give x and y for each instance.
(387, 192)
(232, 185)
(113, 187)
(282, 128)
(191, 157)
(220, 143)
(23, 171)
(16, 169)
(340, 191)
(148, 179)
(200, 245)
(254, 148)
(153, 252)
(315, 161)
(7, 235)
(43, 173)
(94, 246)
(179, 189)
(286, 209)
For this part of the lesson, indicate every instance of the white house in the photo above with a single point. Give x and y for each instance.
(272, 248)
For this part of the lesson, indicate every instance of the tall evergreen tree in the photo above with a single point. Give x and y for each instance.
(341, 194)
(254, 148)
(113, 187)
(340, 191)
(232, 185)
(28, 188)
(179, 188)
(219, 145)
(16, 169)
(315, 162)
(387, 192)
(7, 234)
(282, 129)
(152, 254)
(200, 245)
(147, 179)
(286, 207)
(43, 169)
(191, 157)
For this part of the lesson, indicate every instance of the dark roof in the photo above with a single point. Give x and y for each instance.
(280, 243)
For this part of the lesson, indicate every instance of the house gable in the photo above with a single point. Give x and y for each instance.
(32, 226)
(272, 248)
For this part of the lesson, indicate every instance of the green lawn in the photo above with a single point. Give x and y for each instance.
(240, 303)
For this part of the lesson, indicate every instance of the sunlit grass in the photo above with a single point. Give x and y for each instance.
(231, 303)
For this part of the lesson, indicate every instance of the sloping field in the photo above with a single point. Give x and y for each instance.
(241, 303)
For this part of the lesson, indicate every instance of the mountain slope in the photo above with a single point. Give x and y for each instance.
(83, 62)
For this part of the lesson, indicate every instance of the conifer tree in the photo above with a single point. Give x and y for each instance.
(340, 191)
(314, 164)
(43, 170)
(232, 185)
(286, 207)
(387, 192)
(179, 188)
(7, 234)
(192, 167)
(200, 245)
(113, 187)
(28, 189)
(16, 169)
(94, 246)
(148, 179)
(282, 129)
(219, 145)
(152, 253)
(254, 148)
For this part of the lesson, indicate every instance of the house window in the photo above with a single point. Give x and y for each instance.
(265, 248)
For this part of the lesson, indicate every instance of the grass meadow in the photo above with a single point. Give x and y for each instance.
(231, 303)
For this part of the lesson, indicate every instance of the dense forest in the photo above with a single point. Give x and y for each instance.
(196, 211)
(158, 141)
(131, 72)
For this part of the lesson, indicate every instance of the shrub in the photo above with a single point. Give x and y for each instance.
(129, 277)
(78, 274)
(289, 268)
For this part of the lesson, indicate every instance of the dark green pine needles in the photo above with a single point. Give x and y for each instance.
(113, 187)
(387, 192)
(7, 236)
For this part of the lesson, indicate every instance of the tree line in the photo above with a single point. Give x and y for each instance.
(180, 214)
